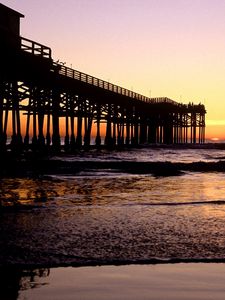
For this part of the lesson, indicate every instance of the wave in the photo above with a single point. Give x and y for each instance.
(153, 261)
(84, 262)
(212, 202)
(56, 167)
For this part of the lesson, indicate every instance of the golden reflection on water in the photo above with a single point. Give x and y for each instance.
(20, 191)
(113, 190)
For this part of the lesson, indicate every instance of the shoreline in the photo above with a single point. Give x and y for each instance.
(112, 263)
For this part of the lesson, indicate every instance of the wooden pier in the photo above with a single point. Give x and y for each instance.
(44, 104)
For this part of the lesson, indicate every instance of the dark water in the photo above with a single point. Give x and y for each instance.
(102, 217)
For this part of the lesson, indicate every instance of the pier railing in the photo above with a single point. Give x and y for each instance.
(45, 52)
(74, 74)
(35, 48)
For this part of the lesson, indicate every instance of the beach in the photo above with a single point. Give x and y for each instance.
(113, 224)
(159, 282)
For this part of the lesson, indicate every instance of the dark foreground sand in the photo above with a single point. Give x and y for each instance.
(158, 282)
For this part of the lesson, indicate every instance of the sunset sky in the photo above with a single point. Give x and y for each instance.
(172, 48)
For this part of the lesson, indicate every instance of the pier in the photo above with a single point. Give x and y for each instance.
(45, 104)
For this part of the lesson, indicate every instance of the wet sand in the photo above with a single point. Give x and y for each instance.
(158, 282)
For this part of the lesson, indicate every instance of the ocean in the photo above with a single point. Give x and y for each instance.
(102, 217)
(99, 216)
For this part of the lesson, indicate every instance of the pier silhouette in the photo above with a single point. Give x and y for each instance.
(48, 97)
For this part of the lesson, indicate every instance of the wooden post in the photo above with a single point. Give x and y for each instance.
(108, 136)
(16, 142)
(66, 140)
(26, 138)
(2, 138)
(55, 120)
(72, 129)
(127, 130)
(34, 106)
(143, 131)
(40, 111)
(98, 136)
(48, 125)
(79, 126)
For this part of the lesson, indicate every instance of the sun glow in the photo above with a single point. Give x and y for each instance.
(215, 139)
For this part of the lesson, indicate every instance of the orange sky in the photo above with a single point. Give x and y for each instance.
(173, 48)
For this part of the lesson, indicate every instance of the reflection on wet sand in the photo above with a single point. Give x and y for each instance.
(28, 192)
(145, 282)
(13, 280)
(121, 189)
